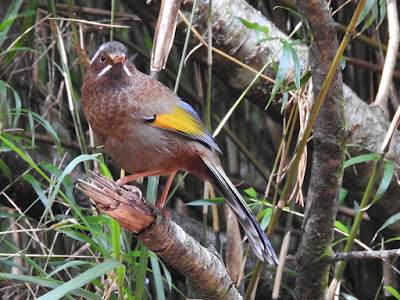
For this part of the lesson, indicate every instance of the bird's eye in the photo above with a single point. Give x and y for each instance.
(102, 59)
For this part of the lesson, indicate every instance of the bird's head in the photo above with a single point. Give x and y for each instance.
(110, 57)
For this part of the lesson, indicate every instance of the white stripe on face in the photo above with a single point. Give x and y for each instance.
(126, 70)
(108, 67)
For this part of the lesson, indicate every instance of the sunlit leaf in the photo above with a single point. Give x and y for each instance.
(393, 219)
(296, 66)
(343, 195)
(392, 291)
(348, 297)
(209, 201)
(11, 13)
(49, 283)
(360, 159)
(339, 225)
(303, 81)
(251, 192)
(37, 187)
(282, 70)
(6, 170)
(81, 280)
(385, 182)
(382, 11)
(7, 23)
(367, 7)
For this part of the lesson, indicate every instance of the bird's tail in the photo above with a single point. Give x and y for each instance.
(258, 241)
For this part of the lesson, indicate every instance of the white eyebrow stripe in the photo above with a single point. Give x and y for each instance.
(127, 70)
(94, 57)
(108, 67)
(97, 53)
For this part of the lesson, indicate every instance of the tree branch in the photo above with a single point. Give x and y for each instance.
(328, 156)
(381, 254)
(202, 267)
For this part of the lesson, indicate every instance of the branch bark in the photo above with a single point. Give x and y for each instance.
(328, 156)
(202, 267)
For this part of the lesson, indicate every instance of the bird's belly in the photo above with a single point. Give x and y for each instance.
(146, 150)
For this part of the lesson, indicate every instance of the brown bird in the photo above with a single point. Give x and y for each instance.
(149, 130)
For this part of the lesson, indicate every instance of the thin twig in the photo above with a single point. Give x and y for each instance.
(380, 254)
(382, 96)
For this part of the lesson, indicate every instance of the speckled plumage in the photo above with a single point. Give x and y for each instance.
(148, 130)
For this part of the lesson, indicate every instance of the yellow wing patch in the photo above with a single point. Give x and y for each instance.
(185, 120)
(182, 121)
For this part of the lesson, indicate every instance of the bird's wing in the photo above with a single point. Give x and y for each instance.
(184, 120)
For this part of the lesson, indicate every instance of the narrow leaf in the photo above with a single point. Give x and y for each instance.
(282, 70)
(392, 291)
(360, 159)
(339, 225)
(81, 280)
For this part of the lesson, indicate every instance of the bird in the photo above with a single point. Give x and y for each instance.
(148, 130)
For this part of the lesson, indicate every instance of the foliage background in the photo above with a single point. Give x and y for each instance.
(49, 233)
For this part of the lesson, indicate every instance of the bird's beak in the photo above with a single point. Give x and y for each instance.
(119, 58)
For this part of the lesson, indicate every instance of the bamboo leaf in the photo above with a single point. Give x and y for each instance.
(341, 226)
(50, 284)
(282, 70)
(209, 201)
(81, 280)
(11, 13)
(393, 219)
(392, 291)
(360, 159)
(367, 7)
(37, 187)
(6, 170)
(385, 182)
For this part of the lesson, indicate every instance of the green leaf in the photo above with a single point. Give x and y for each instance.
(393, 219)
(15, 49)
(303, 20)
(392, 291)
(158, 280)
(251, 192)
(4, 105)
(167, 274)
(81, 280)
(367, 7)
(69, 264)
(360, 159)
(265, 218)
(50, 284)
(282, 70)
(11, 13)
(141, 273)
(6, 170)
(303, 81)
(8, 22)
(385, 182)
(348, 297)
(343, 61)
(250, 25)
(343, 195)
(296, 66)
(46, 125)
(37, 187)
(209, 201)
(382, 12)
(339, 225)
(66, 181)
(17, 109)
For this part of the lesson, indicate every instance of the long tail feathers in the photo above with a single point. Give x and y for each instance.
(258, 241)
